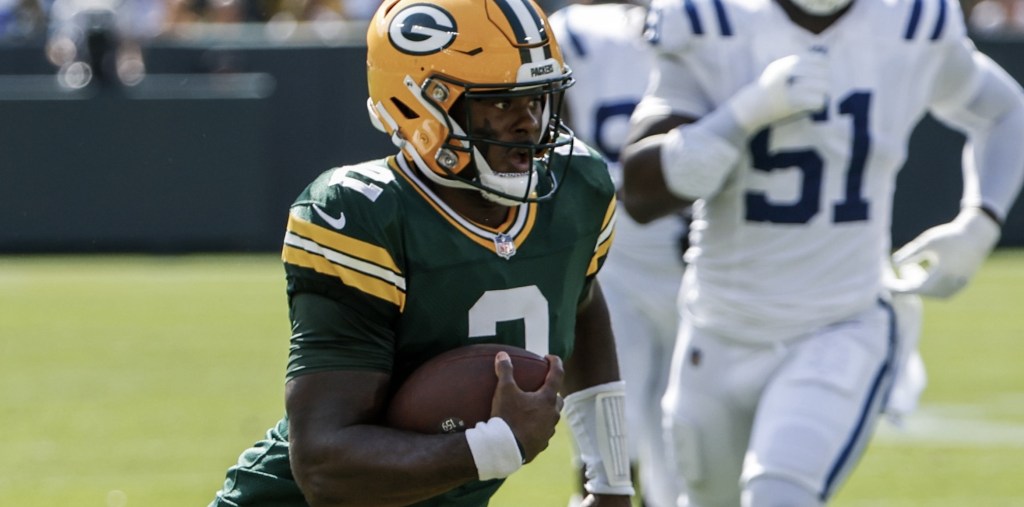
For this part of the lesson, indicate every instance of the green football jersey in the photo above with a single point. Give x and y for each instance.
(412, 279)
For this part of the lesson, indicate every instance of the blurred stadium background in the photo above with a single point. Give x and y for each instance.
(197, 138)
(143, 328)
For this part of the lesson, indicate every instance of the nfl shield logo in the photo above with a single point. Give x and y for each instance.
(504, 246)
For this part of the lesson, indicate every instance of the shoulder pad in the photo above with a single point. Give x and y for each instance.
(931, 21)
(341, 233)
(363, 193)
(673, 24)
(585, 161)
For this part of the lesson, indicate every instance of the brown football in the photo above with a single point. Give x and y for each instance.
(452, 391)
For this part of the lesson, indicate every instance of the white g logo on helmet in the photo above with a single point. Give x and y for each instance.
(422, 29)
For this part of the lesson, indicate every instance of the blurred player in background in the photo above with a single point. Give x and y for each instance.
(487, 227)
(99, 42)
(786, 122)
(602, 42)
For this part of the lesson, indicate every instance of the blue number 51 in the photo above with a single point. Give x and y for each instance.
(853, 207)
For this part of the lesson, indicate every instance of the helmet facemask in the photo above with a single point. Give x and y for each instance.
(465, 143)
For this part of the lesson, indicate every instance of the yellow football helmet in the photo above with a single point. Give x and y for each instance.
(423, 56)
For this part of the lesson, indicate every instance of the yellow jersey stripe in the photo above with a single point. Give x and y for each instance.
(605, 239)
(322, 255)
(609, 215)
(303, 253)
(341, 243)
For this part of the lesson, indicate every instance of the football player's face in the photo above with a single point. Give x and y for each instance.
(510, 120)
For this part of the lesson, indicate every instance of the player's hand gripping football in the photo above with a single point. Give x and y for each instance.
(532, 416)
(788, 86)
(941, 261)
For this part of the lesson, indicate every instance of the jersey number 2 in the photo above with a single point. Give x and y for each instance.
(521, 303)
(852, 208)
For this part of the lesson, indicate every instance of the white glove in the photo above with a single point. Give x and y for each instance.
(941, 261)
(788, 86)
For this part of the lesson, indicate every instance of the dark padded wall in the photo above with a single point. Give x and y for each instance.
(198, 161)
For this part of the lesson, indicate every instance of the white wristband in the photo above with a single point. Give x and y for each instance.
(495, 450)
(696, 162)
(597, 417)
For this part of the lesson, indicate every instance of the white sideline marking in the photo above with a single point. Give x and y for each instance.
(959, 425)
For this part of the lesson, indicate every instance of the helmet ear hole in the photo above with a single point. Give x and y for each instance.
(404, 109)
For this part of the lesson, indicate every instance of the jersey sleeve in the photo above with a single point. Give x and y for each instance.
(978, 98)
(608, 202)
(672, 27)
(588, 163)
(345, 284)
(958, 77)
(666, 28)
(559, 21)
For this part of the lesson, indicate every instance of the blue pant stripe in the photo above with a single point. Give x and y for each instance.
(878, 387)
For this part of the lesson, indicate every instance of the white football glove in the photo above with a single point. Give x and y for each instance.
(941, 261)
(788, 86)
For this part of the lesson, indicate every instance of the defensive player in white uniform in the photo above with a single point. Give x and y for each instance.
(786, 122)
(602, 42)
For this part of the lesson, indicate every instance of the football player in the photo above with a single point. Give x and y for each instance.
(602, 42)
(785, 122)
(488, 226)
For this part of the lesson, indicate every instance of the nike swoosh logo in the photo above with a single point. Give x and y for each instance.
(337, 223)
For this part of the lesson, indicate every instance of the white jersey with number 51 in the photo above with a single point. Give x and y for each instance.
(799, 235)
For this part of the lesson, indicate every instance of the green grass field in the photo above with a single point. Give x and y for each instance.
(135, 381)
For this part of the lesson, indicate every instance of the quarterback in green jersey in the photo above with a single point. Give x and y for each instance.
(488, 226)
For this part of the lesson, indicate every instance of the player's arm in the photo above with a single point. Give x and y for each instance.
(340, 453)
(594, 359)
(594, 404)
(340, 456)
(976, 96)
(645, 195)
(671, 160)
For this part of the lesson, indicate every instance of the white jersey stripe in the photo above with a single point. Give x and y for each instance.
(518, 225)
(336, 257)
(528, 29)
